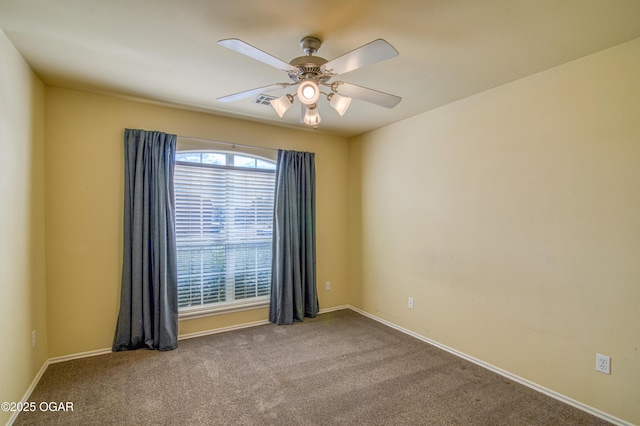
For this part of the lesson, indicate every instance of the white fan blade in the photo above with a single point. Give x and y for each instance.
(255, 53)
(376, 51)
(252, 92)
(368, 95)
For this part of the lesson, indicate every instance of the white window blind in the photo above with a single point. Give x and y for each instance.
(224, 218)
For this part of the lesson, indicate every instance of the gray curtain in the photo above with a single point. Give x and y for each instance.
(149, 299)
(293, 272)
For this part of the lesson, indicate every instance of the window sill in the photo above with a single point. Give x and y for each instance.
(222, 308)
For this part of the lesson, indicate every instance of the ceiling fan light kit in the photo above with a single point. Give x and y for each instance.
(308, 92)
(339, 103)
(311, 116)
(310, 72)
(282, 104)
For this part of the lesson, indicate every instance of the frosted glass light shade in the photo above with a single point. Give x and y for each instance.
(308, 92)
(339, 103)
(282, 104)
(311, 116)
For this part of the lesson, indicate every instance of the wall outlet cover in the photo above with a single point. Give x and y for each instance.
(603, 364)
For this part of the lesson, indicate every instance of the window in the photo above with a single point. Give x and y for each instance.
(224, 218)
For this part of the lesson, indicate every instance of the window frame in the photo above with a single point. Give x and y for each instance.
(199, 311)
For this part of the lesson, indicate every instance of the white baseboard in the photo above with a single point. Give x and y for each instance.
(87, 354)
(27, 394)
(513, 377)
(223, 329)
(335, 308)
(247, 325)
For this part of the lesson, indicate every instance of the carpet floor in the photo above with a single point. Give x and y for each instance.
(340, 368)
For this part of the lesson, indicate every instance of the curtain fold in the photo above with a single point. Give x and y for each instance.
(293, 273)
(149, 300)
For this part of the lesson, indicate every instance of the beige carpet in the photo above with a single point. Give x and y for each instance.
(340, 368)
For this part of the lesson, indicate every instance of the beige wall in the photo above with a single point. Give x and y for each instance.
(22, 233)
(513, 219)
(84, 170)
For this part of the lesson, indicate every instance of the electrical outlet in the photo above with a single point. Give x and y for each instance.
(410, 303)
(33, 338)
(327, 285)
(603, 364)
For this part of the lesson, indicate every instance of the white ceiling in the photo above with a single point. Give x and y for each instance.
(167, 51)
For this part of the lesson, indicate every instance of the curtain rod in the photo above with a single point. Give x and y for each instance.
(227, 143)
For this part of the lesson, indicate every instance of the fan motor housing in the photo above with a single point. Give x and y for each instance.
(309, 67)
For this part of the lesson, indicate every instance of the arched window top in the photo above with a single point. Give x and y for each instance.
(223, 158)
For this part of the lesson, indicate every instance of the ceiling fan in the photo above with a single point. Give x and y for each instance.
(310, 73)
